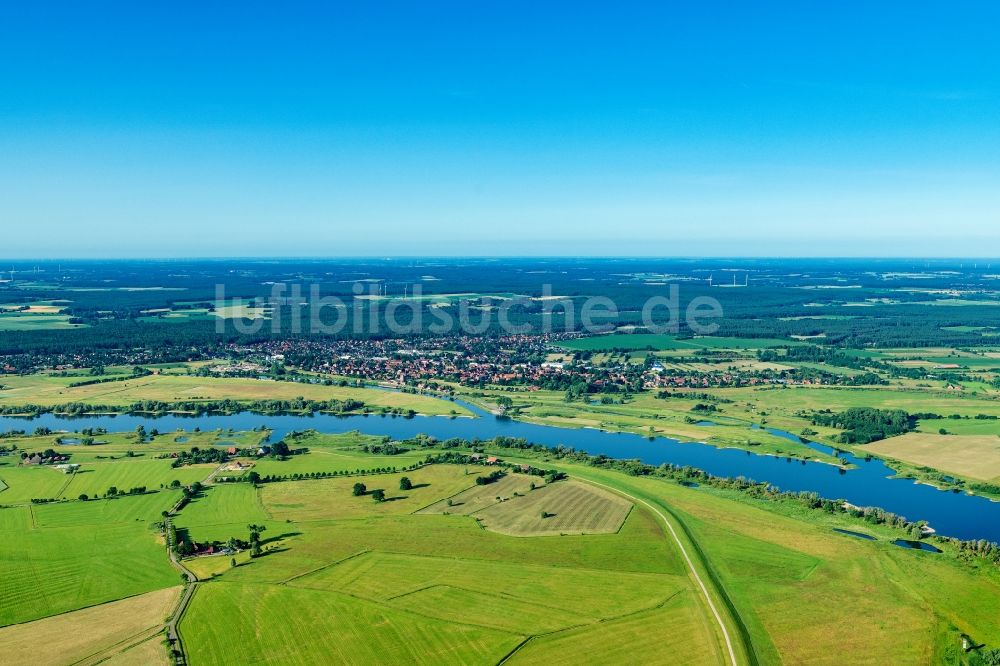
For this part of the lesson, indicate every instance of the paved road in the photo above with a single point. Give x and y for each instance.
(189, 589)
(182, 604)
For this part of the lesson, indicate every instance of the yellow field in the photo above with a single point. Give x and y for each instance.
(150, 652)
(90, 632)
(48, 390)
(571, 508)
(973, 456)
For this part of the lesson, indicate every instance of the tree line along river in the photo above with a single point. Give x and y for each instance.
(951, 513)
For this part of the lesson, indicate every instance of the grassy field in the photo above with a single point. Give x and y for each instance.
(561, 508)
(223, 504)
(473, 594)
(327, 628)
(49, 570)
(971, 456)
(326, 499)
(807, 594)
(15, 321)
(51, 390)
(59, 557)
(476, 498)
(39, 315)
(149, 652)
(335, 453)
(674, 633)
(25, 483)
(95, 478)
(345, 578)
(132, 509)
(105, 465)
(93, 633)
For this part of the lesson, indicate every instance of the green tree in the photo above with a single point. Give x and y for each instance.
(359, 489)
(405, 483)
(378, 495)
(255, 532)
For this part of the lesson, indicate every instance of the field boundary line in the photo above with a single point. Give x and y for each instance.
(691, 567)
(598, 621)
(592, 620)
(326, 566)
(533, 564)
(517, 647)
(511, 597)
(103, 658)
(100, 603)
(258, 493)
(401, 609)
(103, 653)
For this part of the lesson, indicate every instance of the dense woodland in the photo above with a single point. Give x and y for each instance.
(118, 301)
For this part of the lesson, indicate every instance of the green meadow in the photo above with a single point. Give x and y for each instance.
(451, 571)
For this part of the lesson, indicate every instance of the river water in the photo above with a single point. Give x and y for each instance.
(950, 513)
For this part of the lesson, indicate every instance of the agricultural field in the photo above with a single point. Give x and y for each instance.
(474, 499)
(368, 578)
(772, 557)
(53, 390)
(327, 628)
(304, 501)
(355, 565)
(62, 566)
(105, 631)
(972, 456)
(561, 508)
(36, 316)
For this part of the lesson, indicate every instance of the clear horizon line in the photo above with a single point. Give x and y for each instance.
(385, 257)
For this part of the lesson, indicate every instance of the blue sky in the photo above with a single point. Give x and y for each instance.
(776, 128)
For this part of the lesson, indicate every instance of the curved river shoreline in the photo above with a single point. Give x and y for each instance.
(950, 513)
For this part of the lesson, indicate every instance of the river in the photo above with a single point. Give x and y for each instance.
(950, 513)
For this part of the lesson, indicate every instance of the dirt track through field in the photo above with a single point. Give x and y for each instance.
(687, 558)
